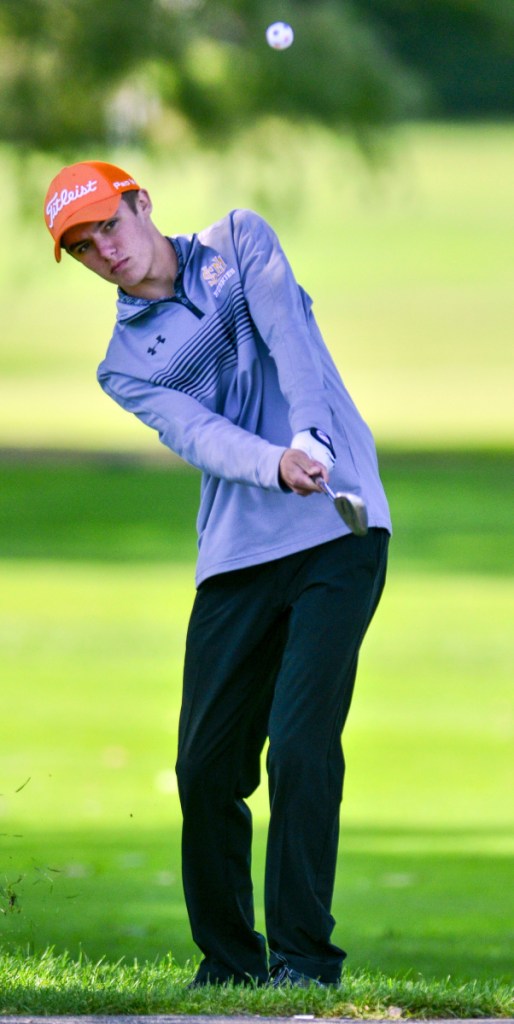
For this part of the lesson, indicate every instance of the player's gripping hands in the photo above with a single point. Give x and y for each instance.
(311, 455)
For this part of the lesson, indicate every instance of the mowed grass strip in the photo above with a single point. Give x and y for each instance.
(450, 509)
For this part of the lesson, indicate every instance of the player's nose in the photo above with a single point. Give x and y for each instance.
(106, 247)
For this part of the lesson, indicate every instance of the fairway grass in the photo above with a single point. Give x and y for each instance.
(90, 812)
(97, 584)
(410, 264)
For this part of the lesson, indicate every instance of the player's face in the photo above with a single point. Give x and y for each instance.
(122, 250)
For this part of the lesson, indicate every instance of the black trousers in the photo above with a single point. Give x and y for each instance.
(271, 651)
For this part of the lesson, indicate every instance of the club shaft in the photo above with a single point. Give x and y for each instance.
(326, 487)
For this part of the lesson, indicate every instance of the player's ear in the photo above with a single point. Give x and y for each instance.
(144, 203)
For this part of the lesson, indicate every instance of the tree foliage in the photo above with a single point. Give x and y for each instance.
(464, 50)
(75, 73)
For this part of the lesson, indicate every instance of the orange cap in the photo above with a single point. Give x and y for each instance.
(81, 193)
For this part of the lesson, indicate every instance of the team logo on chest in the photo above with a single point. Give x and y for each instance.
(216, 273)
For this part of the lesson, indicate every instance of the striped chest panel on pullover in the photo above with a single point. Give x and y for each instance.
(199, 366)
(192, 342)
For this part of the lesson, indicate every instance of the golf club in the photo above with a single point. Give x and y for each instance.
(350, 507)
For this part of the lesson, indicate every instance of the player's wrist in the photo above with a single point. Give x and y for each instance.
(280, 474)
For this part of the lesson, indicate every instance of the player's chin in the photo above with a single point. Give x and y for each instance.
(122, 272)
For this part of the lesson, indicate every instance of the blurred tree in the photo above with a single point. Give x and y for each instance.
(463, 48)
(79, 72)
(83, 72)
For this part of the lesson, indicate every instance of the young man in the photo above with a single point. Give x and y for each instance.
(216, 347)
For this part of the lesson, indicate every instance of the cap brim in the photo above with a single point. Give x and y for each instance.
(101, 210)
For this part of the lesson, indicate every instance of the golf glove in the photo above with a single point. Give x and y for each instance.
(317, 445)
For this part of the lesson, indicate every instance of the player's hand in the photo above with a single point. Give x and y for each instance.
(317, 444)
(298, 472)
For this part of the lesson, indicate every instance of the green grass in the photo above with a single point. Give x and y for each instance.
(97, 583)
(53, 984)
(410, 266)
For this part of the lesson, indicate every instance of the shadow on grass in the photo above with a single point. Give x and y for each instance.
(451, 510)
(425, 902)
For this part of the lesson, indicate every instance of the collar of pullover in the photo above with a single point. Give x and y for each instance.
(131, 306)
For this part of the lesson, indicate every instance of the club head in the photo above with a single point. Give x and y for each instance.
(353, 512)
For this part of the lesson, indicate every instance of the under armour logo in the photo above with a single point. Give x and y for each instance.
(158, 341)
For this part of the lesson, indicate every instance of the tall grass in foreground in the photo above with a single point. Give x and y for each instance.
(50, 984)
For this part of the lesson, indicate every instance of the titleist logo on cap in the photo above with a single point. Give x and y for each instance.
(61, 199)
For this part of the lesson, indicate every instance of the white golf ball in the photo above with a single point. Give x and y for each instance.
(279, 35)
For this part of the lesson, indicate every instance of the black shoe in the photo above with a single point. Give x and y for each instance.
(282, 974)
(201, 980)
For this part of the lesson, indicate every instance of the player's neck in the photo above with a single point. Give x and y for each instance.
(159, 283)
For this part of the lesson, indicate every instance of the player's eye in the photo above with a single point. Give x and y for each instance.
(109, 224)
(79, 250)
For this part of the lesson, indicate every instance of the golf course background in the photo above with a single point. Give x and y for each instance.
(411, 267)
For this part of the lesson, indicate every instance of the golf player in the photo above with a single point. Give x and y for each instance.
(216, 348)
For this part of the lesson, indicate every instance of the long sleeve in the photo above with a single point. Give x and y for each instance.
(203, 438)
(277, 307)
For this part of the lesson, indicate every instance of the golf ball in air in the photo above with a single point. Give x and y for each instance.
(279, 35)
